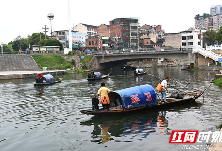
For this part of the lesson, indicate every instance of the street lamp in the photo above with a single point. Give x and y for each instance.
(50, 17)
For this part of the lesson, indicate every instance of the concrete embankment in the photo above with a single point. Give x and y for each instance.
(5, 75)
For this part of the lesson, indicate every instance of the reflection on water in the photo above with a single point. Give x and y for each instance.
(140, 125)
(49, 117)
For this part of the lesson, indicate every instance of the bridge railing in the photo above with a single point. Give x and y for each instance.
(208, 52)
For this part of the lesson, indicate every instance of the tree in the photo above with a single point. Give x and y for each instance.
(20, 44)
(35, 38)
(7, 49)
(219, 35)
(50, 42)
(209, 36)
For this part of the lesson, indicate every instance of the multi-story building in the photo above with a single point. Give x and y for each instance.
(217, 21)
(150, 35)
(103, 30)
(97, 43)
(210, 21)
(203, 22)
(78, 39)
(216, 10)
(89, 30)
(192, 39)
(126, 32)
(185, 40)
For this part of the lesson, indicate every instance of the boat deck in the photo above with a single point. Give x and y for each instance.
(188, 98)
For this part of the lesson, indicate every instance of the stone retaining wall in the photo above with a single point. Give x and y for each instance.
(17, 62)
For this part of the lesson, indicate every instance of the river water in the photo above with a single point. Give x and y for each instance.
(49, 118)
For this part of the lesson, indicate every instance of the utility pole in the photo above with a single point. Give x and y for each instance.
(70, 32)
(45, 30)
(2, 48)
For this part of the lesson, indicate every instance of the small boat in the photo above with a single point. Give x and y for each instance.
(49, 80)
(97, 76)
(140, 98)
(139, 72)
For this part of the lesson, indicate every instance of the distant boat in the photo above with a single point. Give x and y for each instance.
(139, 72)
(49, 80)
(97, 76)
(138, 98)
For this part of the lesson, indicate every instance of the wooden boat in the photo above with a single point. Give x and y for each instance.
(98, 76)
(45, 83)
(102, 77)
(138, 72)
(49, 80)
(127, 106)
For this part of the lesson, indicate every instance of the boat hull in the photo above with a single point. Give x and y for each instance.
(45, 84)
(103, 77)
(170, 102)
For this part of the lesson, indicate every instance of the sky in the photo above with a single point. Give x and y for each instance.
(24, 17)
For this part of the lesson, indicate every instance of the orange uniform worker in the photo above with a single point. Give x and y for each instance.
(104, 99)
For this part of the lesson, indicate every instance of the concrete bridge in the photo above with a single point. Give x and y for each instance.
(105, 61)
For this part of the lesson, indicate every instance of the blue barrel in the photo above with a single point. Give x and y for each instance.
(138, 96)
(49, 78)
(98, 75)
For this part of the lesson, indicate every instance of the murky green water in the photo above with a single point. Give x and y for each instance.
(48, 118)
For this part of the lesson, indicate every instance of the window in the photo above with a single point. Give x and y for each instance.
(105, 41)
(125, 27)
(134, 40)
(134, 27)
(190, 37)
(190, 43)
(183, 44)
(125, 34)
(92, 42)
(133, 34)
(89, 42)
(183, 37)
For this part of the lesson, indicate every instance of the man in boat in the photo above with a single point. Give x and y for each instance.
(39, 78)
(104, 99)
(95, 102)
(164, 89)
(92, 74)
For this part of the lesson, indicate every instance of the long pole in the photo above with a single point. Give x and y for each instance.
(51, 27)
(70, 33)
(2, 48)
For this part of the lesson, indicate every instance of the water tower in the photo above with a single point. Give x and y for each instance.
(50, 17)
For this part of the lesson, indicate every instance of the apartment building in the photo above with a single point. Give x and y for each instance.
(126, 32)
(210, 21)
(216, 10)
(89, 30)
(185, 40)
(150, 35)
(103, 30)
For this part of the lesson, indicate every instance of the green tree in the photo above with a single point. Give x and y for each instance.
(50, 42)
(7, 49)
(35, 38)
(19, 43)
(219, 35)
(209, 36)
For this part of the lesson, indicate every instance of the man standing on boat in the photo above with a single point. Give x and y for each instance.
(104, 99)
(39, 78)
(164, 89)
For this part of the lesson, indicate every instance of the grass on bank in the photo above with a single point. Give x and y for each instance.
(54, 61)
(218, 82)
